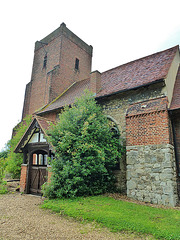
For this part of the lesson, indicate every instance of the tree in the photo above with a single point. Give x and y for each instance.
(14, 160)
(3, 164)
(85, 151)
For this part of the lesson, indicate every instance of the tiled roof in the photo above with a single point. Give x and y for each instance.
(44, 123)
(69, 96)
(137, 73)
(175, 103)
(131, 75)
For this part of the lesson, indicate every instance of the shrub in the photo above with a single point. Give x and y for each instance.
(3, 164)
(85, 151)
(14, 160)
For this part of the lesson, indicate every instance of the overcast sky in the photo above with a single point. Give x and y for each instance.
(119, 31)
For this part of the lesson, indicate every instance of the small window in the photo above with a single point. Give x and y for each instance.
(45, 61)
(77, 64)
(40, 159)
(34, 159)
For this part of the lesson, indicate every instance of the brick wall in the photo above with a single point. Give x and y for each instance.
(147, 123)
(62, 48)
(50, 116)
(26, 100)
(116, 107)
(148, 129)
(23, 177)
(39, 80)
(151, 171)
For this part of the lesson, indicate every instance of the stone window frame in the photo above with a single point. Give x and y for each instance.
(115, 128)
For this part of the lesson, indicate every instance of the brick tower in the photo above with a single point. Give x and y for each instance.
(60, 59)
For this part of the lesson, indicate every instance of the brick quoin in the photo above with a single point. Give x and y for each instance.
(148, 129)
(23, 177)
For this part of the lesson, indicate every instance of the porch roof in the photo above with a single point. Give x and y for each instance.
(37, 122)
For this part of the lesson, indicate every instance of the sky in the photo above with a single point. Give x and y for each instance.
(119, 31)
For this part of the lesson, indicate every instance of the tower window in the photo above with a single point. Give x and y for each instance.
(77, 64)
(45, 61)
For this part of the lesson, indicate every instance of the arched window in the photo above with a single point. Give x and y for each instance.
(39, 158)
(114, 128)
(45, 61)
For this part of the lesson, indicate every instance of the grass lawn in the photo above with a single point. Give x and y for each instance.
(119, 215)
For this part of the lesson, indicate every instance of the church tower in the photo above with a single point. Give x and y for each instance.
(60, 59)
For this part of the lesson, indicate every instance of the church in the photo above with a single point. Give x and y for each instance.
(140, 98)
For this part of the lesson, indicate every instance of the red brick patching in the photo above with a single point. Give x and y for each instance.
(148, 129)
(147, 123)
(23, 177)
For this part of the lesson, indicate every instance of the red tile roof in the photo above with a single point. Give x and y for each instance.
(137, 73)
(44, 125)
(134, 74)
(175, 103)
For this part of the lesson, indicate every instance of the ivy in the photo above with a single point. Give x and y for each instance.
(3, 164)
(14, 160)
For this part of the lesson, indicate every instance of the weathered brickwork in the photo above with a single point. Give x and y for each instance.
(148, 128)
(135, 96)
(52, 116)
(51, 78)
(116, 107)
(26, 100)
(23, 177)
(151, 174)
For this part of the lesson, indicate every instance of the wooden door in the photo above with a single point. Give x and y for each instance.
(38, 173)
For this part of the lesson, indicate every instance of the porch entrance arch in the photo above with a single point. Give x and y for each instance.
(37, 171)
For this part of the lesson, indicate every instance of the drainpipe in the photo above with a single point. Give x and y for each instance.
(175, 146)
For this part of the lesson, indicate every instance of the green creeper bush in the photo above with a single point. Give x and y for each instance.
(3, 164)
(14, 160)
(85, 151)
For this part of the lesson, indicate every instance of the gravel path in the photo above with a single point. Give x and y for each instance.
(21, 218)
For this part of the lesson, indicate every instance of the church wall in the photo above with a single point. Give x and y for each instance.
(116, 106)
(66, 74)
(39, 82)
(52, 77)
(151, 174)
(50, 116)
(26, 100)
(151, 169)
